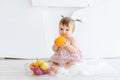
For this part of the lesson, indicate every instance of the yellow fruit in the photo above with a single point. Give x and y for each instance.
(60, 41)
(44, 66)
(38, 63)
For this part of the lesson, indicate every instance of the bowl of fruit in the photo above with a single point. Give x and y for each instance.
(37, 67)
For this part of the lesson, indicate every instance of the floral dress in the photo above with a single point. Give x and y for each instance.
(63, 56)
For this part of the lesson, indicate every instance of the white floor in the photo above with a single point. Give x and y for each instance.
(15, 70)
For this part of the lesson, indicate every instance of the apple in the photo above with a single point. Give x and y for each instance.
(47, 71)
(37, 71)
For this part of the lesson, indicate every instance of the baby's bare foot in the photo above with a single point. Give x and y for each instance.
(54, 69)
(69, 64)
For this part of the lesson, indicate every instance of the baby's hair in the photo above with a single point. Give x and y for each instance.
(73, 20)
(66, 20)
(78, 20)
(62, 16)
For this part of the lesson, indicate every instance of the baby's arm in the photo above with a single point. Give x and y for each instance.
(72, 48)
(55, 48)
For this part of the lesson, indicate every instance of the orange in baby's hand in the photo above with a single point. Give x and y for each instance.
(60, 41)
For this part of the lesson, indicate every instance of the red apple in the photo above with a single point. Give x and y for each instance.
(46, 71)
(37, 71)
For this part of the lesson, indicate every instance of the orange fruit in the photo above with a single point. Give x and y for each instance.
(60, 41)
(32, 65)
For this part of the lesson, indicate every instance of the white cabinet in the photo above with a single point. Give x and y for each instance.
(60, 3)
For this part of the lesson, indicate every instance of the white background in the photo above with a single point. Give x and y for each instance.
(29, 31)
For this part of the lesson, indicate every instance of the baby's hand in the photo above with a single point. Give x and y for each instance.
(66, 44)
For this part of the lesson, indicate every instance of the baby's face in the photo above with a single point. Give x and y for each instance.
(65, 31)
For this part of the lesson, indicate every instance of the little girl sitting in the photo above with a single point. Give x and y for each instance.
(69, 53)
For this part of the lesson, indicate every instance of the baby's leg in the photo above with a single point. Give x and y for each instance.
(54, 67)
(69, 64)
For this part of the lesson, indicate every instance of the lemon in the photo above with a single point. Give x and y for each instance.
(38, 63)
(44, 66)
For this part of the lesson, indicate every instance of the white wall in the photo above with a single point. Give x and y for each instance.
(27, 31)
(20, 25)
(99, 32)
